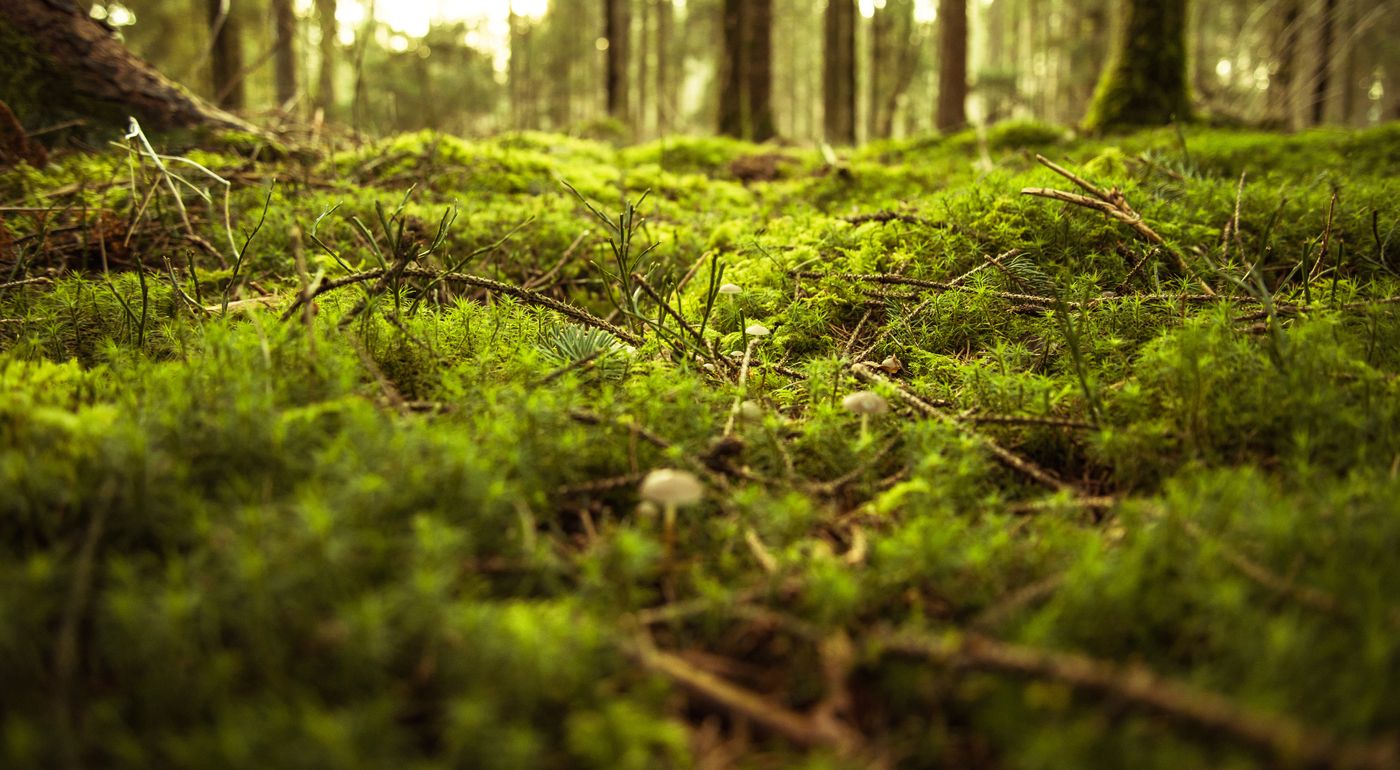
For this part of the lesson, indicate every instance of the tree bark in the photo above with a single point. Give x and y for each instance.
(325, 82)
(1280, 93)
(759, 86)
(746, 82)
(1323, 80)
(50, 47)
(1145, 80)
(617, 31)
(952, 65)
(226, 55)
(285, 18)
(733, 74)
(665, 97)
(839, 72)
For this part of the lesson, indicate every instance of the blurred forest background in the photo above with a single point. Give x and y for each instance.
(800, 70)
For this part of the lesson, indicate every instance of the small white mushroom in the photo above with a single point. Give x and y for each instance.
(751, 410)
(730, 288)
(756, 330)
(865, 403)
(671, 489)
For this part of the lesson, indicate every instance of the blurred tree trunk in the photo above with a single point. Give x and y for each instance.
(746, 84)
(1323, 81)
(285, 18)
(52, 47)
(1145, 81)
(759, 86)
(226, 55)
(1285, 66)
(839, 72)
(952, 65)
(665, 91)
(894, 58)
(645, 70)
(617, 30)
(325, 82)
(732, 75)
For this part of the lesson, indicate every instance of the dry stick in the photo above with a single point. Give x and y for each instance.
(525, 295)
(801, 729)
(542, 280)
(1115, 206)
(1307, 596)
(1326, 241)
(1009, 458)
(25, 282)
(655, 296)
(1281, 738)
(888, 279)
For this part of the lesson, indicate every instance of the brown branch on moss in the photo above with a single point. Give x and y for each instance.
(1007, 457)
(1283, 740)
(887, 216)
(816, 730)
(899, 280)
(1113, 204)
(525, 295)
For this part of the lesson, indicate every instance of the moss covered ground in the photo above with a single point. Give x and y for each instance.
(1134, 504)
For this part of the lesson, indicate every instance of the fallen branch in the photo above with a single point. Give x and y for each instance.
(1010, 459)
(1112, 203)
(809, 731)
(1284, 740)
(525, 295)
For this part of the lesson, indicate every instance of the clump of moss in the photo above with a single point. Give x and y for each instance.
(403, 528)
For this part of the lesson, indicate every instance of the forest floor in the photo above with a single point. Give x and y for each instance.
(334, 462)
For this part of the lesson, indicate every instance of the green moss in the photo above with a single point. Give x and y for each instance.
(414, 538)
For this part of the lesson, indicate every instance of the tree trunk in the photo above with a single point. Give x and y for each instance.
(759, 39)
(899, 63)
(952, 65)
(285, 18)
(1280, 94)
(226, 55)
(1323, 80)
(50, 47)
(733, 75)
(1144, 82)
(617, 31)
(839, 72)
(325, 83)
(665, 31)
(746, 82)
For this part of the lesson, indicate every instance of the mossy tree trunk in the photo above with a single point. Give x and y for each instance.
(1144, 82)
(52, 47)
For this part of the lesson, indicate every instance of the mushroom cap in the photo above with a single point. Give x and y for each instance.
(668, 486)
(757, 330)
(865, 402)
(751, 410)
(730, 288)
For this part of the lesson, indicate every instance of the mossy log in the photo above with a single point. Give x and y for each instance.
(58, 65)
(1144, 81)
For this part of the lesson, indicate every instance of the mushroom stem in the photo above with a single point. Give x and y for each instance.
(743, 387)
(668, 518)
(864, 429)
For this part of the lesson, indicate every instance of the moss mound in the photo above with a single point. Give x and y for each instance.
(349, 478)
